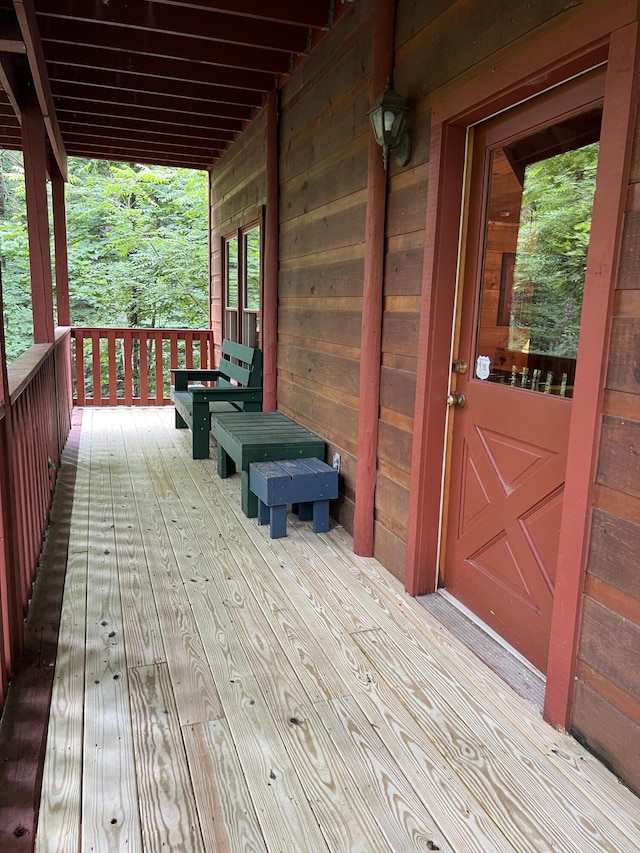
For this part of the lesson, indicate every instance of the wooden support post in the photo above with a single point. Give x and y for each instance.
(35, 178)
(616, 147)
(370, 347)
(269, 303)
(60, 242)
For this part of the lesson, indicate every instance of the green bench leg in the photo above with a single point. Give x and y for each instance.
(226, 465)
(200, 431)
(180, 421)
(249, 500)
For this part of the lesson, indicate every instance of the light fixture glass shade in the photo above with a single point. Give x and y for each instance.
(387, 120)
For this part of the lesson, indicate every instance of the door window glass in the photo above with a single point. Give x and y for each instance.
(539, 208)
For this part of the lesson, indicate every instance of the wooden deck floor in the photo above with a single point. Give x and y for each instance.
(216, 690)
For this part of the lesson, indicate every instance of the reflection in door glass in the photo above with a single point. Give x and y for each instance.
(535, 256)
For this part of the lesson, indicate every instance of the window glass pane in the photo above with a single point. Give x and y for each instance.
(252, 268)
(231, 272)
(535, 257)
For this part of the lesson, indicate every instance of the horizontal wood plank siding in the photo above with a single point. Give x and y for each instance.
(323, 196)
(238, 190)
(606, 711)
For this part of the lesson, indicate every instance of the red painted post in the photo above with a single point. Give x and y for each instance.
(371, 339)
(60, 243)
(35, 179)
(269, 302)
(616, 146)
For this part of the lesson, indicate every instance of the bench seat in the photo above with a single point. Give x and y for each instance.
(309, 483)
(235, 386)
(249, 437)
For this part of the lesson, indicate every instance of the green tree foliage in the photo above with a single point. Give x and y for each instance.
(553, 240)
(137, 244)
(14, 256)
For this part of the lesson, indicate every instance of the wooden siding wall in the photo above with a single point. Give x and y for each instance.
(238, 192)
(323, 175)
(606, 713)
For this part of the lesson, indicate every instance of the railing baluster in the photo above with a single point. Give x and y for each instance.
(80, 394)
(144, 370)
(128, 368)
(95, 363)
(111, 362)
(156, 351)
(159, 362)
(188, 350)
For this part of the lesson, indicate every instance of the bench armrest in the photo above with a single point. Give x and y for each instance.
(230, 393)
(182, 377)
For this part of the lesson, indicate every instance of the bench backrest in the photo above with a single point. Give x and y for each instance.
(240, 365)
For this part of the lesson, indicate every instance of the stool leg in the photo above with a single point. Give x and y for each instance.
(305, 511)
(320, 516)
(263, 513)
(278, 521)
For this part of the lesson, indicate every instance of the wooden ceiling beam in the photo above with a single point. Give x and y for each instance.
(204, 152)
(124, 128)
(12, 81)
(201, 23)
(157, 102)
(303, 13)
(167, 68)
(161, 45)
(134, 83)
(26, 16)
(139, 155)
(77, 111)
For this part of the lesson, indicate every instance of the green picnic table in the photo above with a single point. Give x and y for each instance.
(246, 437)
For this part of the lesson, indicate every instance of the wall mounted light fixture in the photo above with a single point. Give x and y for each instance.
(387, 120)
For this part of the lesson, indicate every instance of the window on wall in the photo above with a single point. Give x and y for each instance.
(243, 284)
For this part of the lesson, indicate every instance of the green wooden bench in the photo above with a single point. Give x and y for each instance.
(249, 437)
(237, 388)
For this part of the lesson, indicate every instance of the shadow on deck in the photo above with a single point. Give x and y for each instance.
(218, 690)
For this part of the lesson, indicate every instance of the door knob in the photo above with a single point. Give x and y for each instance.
(456, 400)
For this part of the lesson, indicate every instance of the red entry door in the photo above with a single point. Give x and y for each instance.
(531, 187)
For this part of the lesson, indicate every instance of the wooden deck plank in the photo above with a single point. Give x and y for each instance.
(279, 800)
(399, 812)
(522, 791)
(143, 635)
(227, 818)
(168, 813)
(580, 767)
(196, 696)
(110, 815)
(314, 667)
(465, 817)
(344, 818)
(411, 744)
(59, 819)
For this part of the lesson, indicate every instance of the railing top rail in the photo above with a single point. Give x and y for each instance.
(119, 330)
(23, 368)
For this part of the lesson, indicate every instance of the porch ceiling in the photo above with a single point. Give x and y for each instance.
(158, 81)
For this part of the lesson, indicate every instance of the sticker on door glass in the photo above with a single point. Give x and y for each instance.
(483, 366)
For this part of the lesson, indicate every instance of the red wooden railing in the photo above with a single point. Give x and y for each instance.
(34, 424)
(131, 367)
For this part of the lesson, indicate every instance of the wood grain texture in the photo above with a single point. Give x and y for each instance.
(613, 552)
(348, 717)
(227, 817)
(617, 657)
(110, 817)
(167, 809)
(619, 461)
